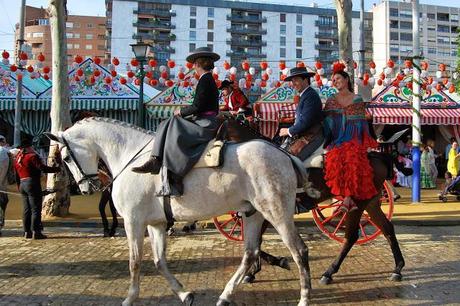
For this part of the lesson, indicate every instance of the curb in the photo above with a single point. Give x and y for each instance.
(97, 223)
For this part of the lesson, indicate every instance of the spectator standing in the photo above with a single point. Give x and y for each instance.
(4, 167)
(425, 171)
(448, 147)
(432, 158)
(29, 168)
(453, 160)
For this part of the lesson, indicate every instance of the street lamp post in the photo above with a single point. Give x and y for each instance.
(140, 51)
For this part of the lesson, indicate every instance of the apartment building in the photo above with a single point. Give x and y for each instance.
(393, 33)
(86, 35)
(234, 29)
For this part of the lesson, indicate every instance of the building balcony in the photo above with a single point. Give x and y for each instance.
(328, 25)
(246, 19)
(327, 47)
(162, 49)
(328, 58)
(158, 13)
(246, 43)
(154, 25)
(239, 54)
(327, 35)
(238, 30)
(155, 37)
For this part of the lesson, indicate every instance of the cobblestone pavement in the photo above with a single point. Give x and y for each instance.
(78, 267)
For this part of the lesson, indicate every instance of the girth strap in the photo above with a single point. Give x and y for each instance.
(168, 212)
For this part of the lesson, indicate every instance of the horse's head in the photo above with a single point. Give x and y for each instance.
(81, 159)
(239, 129)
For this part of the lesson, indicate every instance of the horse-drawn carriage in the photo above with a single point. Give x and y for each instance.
(329, 216)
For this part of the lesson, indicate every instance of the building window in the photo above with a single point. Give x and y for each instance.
(29, 35)
(298, 42)
(282, 17)
(298, 53)
(76, 35)
(193, 12)
(210, 46)
(394, 36)
(298, 18)
(211, 12)
(37, 34)
(89, 36)
(192, 35)
(89, 47)
(405, 25)
(443, 17)
(454, 17)
(192, 23)
(405, 36)
(394, 12)
(210, 24)
(69, 24)
(454, 53)
(76, 46)
(210, 36)
(405, 14)
(394, 48)
(69, 46)
(443, 28)
(47, 22)
(282, 52)
(90, 25)
(69, 35)
(282, 29)
(431, 50)
(191, 47)
(298, 30)
(394, 24)
(443, 40)
(431, 29)
(76, 25)
(283, 41)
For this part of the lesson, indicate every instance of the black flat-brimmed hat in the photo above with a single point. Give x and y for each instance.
(225, 83)
(299, 71)
(202, 52)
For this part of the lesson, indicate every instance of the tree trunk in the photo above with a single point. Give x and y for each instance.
(57, 204)
(344, 11)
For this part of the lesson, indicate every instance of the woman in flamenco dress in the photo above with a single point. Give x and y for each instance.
(347, 169)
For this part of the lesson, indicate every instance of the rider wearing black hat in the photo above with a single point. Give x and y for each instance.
(308, 115)
(180, 142)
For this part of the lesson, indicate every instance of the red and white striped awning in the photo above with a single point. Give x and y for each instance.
(430, 116)
(269, 113)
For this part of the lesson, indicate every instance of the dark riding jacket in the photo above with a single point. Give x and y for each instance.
(309, 112)
(206, 98)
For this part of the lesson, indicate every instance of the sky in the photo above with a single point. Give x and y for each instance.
(97, 8)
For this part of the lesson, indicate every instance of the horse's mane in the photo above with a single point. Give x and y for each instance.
(115, 122)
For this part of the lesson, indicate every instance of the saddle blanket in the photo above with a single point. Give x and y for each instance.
(212, 155)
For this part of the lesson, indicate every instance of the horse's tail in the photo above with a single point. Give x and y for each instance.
(302, 177)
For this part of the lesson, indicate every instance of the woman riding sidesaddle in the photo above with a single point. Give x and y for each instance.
(181, 139)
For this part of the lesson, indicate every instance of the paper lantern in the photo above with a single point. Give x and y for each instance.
(189, 65)
(355, 65)
(263, 84)
(282, 65)
(430, 80)
(186, 83)
(30, 69)
(424, 65)
(19, 76)
(108, 80)
(252, 71)
(373, 71)
(232, 77)
(171, 64)
(408, 64)
(438, 87)
(169, 83)
(300, 64)
(41, 57)
(245, 65)
(92, 80)
(269, 71)
(366, 76)
(265, 77)
(282, 77)
(379, 82)
(97, 73)
(390, 64)
(406, 71)
(233, 70)
(137, 82)
(320, 71)
(153, 82)
(76, 78)
(249, 77)
(130, 74)
(318, 65)
(247, 85)
(46, 77)
(5, 54)
(400, 77)
(215, 76)
(113, 73)
(216, 70)
(134, 62)
(123, 81)
(263, 65)
(372, 65)
(438, 74)
(181, 75)
(317, 77)
(451, 88)
(442, 67)
(97, 60)
(13, 68)
(80, 72)
(116, 61)
(164, 74)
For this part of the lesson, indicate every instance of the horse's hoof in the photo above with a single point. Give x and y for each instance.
(112, 232)
(284, 263)
(189, 299)
(248, 279)
(106, 233)
(222, 302)
(396, 277)
(325, 280)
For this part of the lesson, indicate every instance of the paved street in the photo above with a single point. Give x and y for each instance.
(79, 267)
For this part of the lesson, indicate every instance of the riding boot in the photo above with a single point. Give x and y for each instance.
(304, 203)
(153, 166)
(177, 187)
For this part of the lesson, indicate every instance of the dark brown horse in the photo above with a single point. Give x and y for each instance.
(238, 131)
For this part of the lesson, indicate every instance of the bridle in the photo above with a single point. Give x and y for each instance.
(90, 177)
(85, 177)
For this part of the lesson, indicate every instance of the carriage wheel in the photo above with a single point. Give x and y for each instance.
(331, 220)
(230, 225)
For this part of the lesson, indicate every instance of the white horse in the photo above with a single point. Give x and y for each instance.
(256, 177)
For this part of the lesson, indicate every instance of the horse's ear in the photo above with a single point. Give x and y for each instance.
(53, 137)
